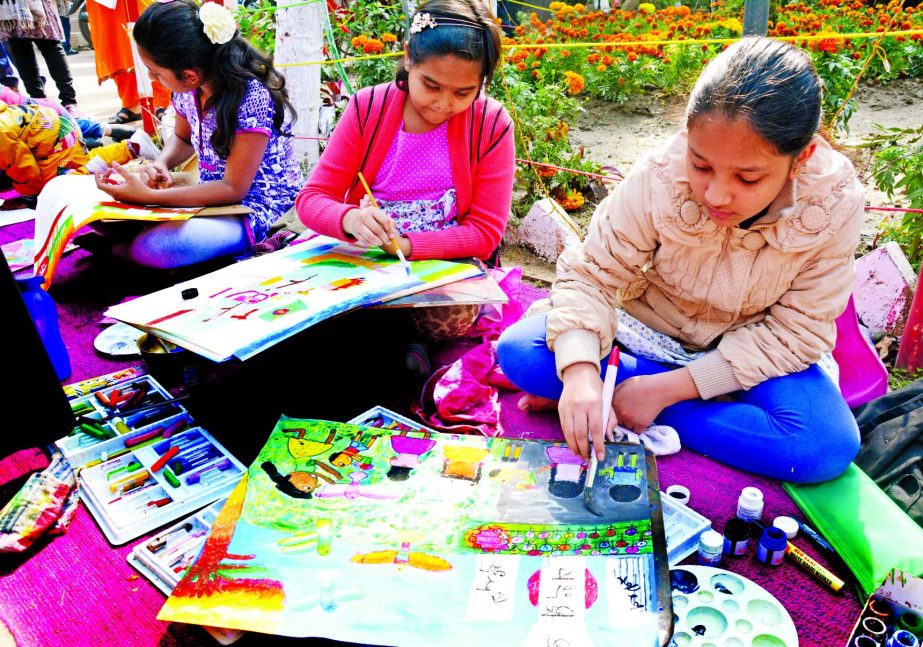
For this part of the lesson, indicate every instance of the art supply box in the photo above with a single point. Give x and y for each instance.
(165, 557)
(896, 606)
(682, 526)
(141, 460)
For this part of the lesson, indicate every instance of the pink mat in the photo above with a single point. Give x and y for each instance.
(76, 589)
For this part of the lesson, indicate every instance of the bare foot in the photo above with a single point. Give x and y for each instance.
(530, 402)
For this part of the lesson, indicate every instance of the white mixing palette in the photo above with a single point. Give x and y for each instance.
(716, 608)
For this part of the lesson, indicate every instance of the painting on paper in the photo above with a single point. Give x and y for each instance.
(393, 535)
(249, 306)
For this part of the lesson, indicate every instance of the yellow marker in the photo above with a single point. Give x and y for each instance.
(811, 566)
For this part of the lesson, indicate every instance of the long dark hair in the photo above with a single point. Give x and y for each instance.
(171, 34)
(473, 35)
(772, 85)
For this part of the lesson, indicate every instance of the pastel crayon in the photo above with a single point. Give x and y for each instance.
(162, 461)
(103, 399)
(94, 431)
(160, 541)
(182, 466)
(186, 438)
(170, 478)
(147, 435)
(129, 483)
(175, 428)
(221, 465)
(130, 467)
(145, 489)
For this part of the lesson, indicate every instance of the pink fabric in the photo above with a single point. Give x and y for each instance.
(416, 167)
(463, 397)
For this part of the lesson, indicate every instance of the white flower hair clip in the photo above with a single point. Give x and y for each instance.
(217, 23)
(422, 21)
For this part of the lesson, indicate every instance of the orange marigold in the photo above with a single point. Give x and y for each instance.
(359, 41)
(601, 68)
(570, 200)
(373, 46)
(388, 38)
(575, 82)
(521, 66)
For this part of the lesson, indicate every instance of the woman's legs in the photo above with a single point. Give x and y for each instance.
(796, 427)
(60, 71)
(23, 56)
(179, 243)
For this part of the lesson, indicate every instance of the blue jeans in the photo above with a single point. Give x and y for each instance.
(794, 428)
(88, 128)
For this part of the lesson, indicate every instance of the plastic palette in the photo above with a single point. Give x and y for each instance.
(716, 608)
(386, 419)
(682, 525)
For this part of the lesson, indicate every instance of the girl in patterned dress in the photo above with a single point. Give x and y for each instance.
(231, 107)
(719, 265)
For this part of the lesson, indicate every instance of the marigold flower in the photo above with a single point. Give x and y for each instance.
(600, 68)
(388, 38)
(373, 46)
(646, 7)
(521, 66)
(575, 82)
(359, 41)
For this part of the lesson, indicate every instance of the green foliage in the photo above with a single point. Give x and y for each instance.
(367, 28)
(897, 168)
(257, 23)
(543, 114)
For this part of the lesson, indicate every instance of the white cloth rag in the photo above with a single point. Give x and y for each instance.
(661, 440)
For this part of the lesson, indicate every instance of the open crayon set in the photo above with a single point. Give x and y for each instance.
(142, 462)
(156, 481)
(119, 416)
(382, 418)
(164, 557)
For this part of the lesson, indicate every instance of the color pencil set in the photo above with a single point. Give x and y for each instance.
(157, 481)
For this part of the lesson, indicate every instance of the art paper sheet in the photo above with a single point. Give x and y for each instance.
(394, 537)
(70, 202)
(249, 306)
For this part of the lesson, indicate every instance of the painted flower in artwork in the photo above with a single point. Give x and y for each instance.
(217, 22)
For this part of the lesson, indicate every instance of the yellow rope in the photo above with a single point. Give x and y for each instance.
(637, 43)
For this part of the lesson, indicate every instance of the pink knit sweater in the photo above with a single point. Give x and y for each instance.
(481, 153)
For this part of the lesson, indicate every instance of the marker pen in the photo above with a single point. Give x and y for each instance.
(807, 564)
(816, 537)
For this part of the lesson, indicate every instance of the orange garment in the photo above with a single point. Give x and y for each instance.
(113, 51)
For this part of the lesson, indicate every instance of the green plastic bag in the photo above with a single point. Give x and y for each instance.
(869, 531)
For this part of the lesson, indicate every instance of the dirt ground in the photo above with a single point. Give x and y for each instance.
(617, 135)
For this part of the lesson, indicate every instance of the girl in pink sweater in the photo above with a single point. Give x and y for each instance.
(719, 265)
(436, 151)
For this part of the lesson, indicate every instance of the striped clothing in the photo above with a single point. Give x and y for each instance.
(481, 151)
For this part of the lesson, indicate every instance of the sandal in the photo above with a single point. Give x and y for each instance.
(124, 116)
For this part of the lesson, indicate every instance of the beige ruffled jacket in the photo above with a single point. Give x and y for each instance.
(765, 300)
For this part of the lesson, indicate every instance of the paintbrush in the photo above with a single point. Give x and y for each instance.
(608, 390)
(395, 248)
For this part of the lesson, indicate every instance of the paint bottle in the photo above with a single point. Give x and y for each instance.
(44, 313)
(771, 548)
(912, 622)
(750, 504)
(903, 638)
(710, 544)
(881, 609)
(736, 537)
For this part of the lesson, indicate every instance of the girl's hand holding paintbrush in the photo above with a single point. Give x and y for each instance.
(371, 226)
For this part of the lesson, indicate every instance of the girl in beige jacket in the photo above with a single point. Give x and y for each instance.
(720, 265)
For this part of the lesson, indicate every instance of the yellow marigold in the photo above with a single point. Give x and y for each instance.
(570, 200)
(556, 6)
(575, 82)
(373, 46)
(359, 41)
(535, 64)
(600, 68)
(646, 7)
(388, 38)
(579, 8)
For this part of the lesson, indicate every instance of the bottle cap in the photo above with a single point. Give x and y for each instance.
(711, 540)
(678, 493)
(752, 494)
(737, 529)
(787, 525)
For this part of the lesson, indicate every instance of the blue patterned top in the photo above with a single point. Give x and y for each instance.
(278, 178)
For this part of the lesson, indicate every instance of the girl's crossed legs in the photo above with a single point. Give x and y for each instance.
(795, 428)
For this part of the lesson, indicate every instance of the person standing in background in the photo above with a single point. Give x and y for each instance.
(66, 24)
(23, 24)
(114, 60)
